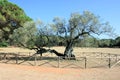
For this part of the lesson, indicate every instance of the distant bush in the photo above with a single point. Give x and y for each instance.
(3, 44)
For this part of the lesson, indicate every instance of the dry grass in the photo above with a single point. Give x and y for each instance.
(77, 50)
(14, 50)
(24, 72)
(92, 61)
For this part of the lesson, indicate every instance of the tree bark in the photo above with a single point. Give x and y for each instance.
(69, 50)
(43, 50)
(68, 53)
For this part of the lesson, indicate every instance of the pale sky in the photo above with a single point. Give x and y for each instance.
(46, 10)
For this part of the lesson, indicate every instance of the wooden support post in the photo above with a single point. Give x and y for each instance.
(109, 61)
(4, 57)
(16, 58)
(85, 62)
(35, 59)
(58, 62)
(0, 57)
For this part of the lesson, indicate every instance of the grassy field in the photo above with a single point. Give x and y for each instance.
(95, 57)
(68, 70)
(61, 49)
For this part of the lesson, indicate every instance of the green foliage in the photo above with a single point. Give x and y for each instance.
(104, 43)
(117, 42)
(11, 18)
(25, 36)
(45, 36)
(87, 42)
(3, 44)
(79, 26)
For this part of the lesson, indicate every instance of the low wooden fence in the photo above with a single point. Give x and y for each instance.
(85, 60)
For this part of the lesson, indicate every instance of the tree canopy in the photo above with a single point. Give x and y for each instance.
(69, 32)
(25, 36)
(11, 17)
(25, 32)
(78, 26)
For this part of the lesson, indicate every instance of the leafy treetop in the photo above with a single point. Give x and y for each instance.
(11, 17)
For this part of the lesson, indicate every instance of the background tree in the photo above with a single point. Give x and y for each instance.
(87, 41)
(11, 18)
(104, 43)
(25, 36)
(117, 42)
(76, 28)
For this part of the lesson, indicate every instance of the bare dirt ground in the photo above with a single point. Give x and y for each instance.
(24, 72)
(20, 72)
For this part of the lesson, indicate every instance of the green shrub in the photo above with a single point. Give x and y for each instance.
(3, 44)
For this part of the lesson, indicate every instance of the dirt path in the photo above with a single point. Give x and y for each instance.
(20, 72)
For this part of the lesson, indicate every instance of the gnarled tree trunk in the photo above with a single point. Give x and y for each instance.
(69, 50)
